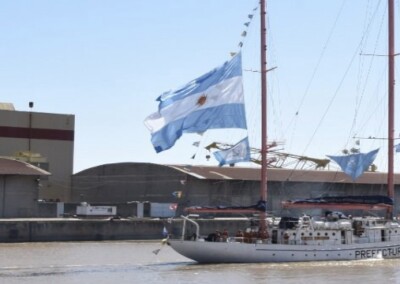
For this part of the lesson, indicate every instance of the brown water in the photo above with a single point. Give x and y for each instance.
(135, 262)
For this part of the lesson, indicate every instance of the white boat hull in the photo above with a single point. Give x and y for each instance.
(236, 252)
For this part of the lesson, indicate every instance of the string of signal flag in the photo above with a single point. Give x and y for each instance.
(244, 33)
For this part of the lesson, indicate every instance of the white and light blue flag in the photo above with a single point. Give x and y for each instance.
(240, 152)
(165, 232)
(354, 165)
(214, 100)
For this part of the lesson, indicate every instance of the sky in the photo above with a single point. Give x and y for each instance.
(106, 62)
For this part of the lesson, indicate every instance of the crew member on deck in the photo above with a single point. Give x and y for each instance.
(225, 235)
(239, 235)
(218, 237)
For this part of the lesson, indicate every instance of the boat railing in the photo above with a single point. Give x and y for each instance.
(186, 218)
(236, 239)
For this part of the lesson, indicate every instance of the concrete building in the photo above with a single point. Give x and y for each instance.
(45, 140)
(215, 186)
(19, 188)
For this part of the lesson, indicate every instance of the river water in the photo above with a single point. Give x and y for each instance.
(131, 262)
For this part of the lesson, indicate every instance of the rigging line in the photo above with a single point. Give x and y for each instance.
(367, 32)
(251, 86)
(378, 55)
(273, 78)
(366, 29)
(378, 105)
(359, 102)
(336, 91)
(247, 24)
(319, 61)
(374, 138)
(332, 99)
(312, 78)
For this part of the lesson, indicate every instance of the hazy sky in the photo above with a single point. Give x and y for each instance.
(107, 61)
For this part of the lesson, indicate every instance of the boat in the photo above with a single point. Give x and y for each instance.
(332, 237)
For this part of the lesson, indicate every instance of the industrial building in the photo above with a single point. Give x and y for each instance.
(45, 140)
(19, 188)
(215, 186)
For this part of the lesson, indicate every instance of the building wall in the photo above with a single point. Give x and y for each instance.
(244, 193)
(49, 135)
(127, 182)
(18, 196)
(96, 230)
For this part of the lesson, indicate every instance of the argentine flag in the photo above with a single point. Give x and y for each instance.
(354, 165)
(240, 152)
(214, 100)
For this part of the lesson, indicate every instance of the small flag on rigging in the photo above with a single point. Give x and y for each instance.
(240, 152)
(165, 232)
(177, 194)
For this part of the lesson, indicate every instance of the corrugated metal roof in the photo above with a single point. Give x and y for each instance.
(15, 167)
(274, 174)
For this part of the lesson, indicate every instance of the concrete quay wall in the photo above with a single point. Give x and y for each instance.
(61, 229)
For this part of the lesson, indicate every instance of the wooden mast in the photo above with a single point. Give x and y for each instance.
(391, 82)
(263, 186)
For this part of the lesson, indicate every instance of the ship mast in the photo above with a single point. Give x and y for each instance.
(264, 149)
(391, 82)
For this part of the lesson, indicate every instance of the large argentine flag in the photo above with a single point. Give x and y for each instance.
(214, 100)
(354, 165)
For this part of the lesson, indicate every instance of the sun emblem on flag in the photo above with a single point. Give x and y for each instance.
(202, 100)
